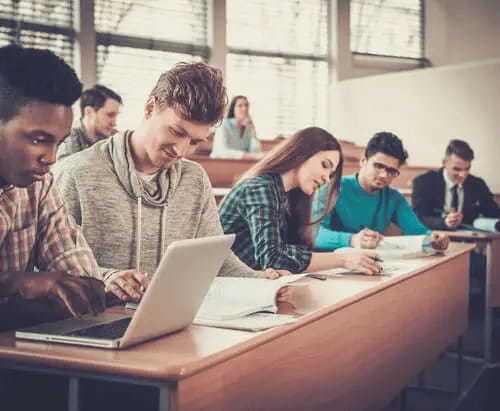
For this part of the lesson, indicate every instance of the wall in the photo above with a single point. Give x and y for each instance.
(426, 108)
(459, 31)
(456, 31)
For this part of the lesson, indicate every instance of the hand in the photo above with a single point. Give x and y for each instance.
(440, 241)
(127, 285)
(363, 261)
(286, 295)
(79, 295)
(366, 238)
(453, 219)
(273, 274)
(246, 121)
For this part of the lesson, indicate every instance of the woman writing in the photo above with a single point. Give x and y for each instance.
(269, 209)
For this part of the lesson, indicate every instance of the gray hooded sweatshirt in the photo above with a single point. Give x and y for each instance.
(127, 221)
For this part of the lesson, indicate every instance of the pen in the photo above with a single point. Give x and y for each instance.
(321, 277)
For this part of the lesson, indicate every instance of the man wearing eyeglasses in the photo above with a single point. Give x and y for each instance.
(367, 204)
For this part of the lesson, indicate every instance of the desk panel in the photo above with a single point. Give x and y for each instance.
(356, 356)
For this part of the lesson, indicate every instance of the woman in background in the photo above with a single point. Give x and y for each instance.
(269, 209)
(236, 136)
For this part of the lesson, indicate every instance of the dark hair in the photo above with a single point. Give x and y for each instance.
(34, 75)
(96, 97)
(291, 153)
(387, 143)
(195, 90)
(461, 149)
(230, 112)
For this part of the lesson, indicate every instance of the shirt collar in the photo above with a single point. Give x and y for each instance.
(449, 184)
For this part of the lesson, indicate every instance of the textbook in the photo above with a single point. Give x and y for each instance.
(235, 297)
(253, 322)
(243, 303)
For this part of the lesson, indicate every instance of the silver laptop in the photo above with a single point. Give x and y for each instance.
(170, 303)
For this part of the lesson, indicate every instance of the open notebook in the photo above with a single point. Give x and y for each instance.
(169, 304)
(243, 303)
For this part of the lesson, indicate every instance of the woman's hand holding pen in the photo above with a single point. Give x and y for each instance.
(366, 238)
(127, 285)
(363, 261)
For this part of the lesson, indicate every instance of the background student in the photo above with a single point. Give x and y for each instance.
(134, 194)
(236, 136)
(446, 198)
(99, 108)
(37, 90)
(269, 210)
(367, 204)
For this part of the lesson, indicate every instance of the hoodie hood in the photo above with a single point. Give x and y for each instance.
(155, 193)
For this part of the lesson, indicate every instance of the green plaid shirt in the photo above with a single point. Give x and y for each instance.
(256, 211)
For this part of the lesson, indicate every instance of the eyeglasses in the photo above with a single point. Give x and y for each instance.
(391, 172)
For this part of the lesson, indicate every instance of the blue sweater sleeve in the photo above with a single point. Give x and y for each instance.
(407, 220)
(328, 239)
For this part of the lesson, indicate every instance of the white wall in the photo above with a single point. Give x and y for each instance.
(459, 31)
(427, 108)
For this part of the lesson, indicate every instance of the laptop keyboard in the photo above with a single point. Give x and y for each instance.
(108, 331)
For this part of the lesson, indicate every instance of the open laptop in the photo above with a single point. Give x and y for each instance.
(170, 303)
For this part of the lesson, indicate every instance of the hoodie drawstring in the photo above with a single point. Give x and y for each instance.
(138, 235)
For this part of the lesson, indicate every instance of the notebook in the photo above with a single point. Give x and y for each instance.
(170, 303)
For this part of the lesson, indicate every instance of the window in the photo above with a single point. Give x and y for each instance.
(387, 27)
(278, 58)
(138, 40)
(40, 24)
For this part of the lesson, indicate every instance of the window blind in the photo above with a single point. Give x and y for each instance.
(39, 24)
(278, 58)
(387, 27)
(138, 40)
(182, 21)
(132, 73)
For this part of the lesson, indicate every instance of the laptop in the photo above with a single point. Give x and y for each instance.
(170, 303)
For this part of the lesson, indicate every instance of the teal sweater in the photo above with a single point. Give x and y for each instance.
(355, 209)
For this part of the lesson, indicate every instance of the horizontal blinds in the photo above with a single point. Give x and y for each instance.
(387, 27)
(285, 95)
(47, 12)
(278, 58)
(132, 73)
(182, 21)
(285, 26)
(40, 24)
(58, 43)
(129, 63)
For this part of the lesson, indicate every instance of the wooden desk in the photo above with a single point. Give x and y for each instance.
(492, 286)
(360, 341)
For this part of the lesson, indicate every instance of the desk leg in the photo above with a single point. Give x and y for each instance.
(488, 311)
(163, 398)
(73, 397)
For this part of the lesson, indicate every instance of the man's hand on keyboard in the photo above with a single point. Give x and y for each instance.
(127, 285)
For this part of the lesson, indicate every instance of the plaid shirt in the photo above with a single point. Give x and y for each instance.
(255, 210)
(36, 230)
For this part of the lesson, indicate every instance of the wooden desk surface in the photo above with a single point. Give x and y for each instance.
(349, 349)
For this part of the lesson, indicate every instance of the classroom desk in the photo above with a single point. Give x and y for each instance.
(359, 341)
(492, 286)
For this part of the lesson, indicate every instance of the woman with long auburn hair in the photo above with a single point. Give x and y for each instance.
(269, 209)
